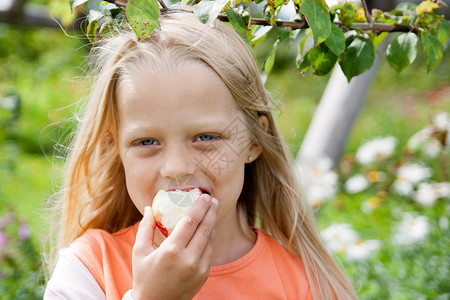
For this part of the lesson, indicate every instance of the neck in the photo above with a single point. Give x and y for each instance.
(231, 241)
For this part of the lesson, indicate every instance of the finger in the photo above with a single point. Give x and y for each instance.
(205, 259)
(202, 235)
(187, 226)
(144, 238)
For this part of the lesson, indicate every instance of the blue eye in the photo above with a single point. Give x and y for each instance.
(147, 142)
(205, 138)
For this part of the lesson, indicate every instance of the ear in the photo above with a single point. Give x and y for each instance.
(255, 149)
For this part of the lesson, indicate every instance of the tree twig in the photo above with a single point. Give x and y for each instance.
(161, 2)
(367, 12)
(122, 3)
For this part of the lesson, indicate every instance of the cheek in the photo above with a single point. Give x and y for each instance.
(230, 181)
(222, 162)
(138, 182)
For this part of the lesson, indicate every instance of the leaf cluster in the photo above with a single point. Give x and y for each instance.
(344, 33)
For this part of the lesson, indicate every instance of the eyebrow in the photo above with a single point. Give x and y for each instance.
(136, 129)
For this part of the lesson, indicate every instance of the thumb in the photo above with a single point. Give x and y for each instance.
(143, 245)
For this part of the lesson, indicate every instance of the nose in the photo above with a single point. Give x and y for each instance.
(178, 163)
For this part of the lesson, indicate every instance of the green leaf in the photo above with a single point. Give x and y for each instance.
(239, 17)
(303, 63)
(302, 44)
(208, 10)
(318, 19)
(433, 50)
(426, 6)
(406, 7)
(322, 59)
(93, 4)
(92, 31)
(259, 33)
(378, 39)
(443, 32)
(282, 33)
(271, 59)
(402, 51)
(142, 16)
(358, 57)
(95, 15)
(75, 3)
(336, 40)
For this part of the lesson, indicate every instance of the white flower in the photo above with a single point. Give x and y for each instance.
(370, 204)
(423, 140)
(320, 182)
(409, 175)
(376, 149)
(362, 250)
(403, 186)
(356, 184)
(433, 148)
(338, 236)
(410, 230)
(413, 172)
(420, 138)
(442, 121)
(426, 194)
(442, 189)
(428, 139)
(343, 239)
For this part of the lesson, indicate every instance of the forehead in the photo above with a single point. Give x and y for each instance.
(186, 93)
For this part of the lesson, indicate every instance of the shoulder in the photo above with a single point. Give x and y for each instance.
(290, 268)
(99, 241)
(281, 254)
(105, 253)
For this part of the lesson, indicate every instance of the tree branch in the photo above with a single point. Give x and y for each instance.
(378, 27)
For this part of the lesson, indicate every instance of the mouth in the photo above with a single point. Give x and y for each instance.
(188, 188)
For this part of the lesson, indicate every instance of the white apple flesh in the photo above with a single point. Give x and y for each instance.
(169, 207)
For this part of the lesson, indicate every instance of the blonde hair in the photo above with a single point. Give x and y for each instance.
(95, 195)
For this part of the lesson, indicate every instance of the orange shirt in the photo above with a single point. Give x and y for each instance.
(268, 271)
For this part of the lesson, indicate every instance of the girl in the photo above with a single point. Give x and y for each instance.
(185, 108)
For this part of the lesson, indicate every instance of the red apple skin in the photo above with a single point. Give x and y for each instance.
(163, 230)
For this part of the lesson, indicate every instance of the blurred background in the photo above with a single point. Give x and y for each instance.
(383, 208)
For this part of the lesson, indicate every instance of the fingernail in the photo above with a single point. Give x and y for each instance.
(207, 197)
(215, 201)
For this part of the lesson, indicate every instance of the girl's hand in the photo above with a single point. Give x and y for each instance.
(180, 266)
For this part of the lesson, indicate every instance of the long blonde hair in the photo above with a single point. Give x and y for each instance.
(94, 193)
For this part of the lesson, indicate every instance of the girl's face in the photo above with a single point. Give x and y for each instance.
(181, 128)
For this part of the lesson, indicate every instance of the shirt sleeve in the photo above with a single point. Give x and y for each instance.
(72, 280)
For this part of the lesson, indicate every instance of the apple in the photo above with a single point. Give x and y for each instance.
(168, 207)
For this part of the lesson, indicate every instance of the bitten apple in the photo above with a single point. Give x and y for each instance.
(169, 207)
